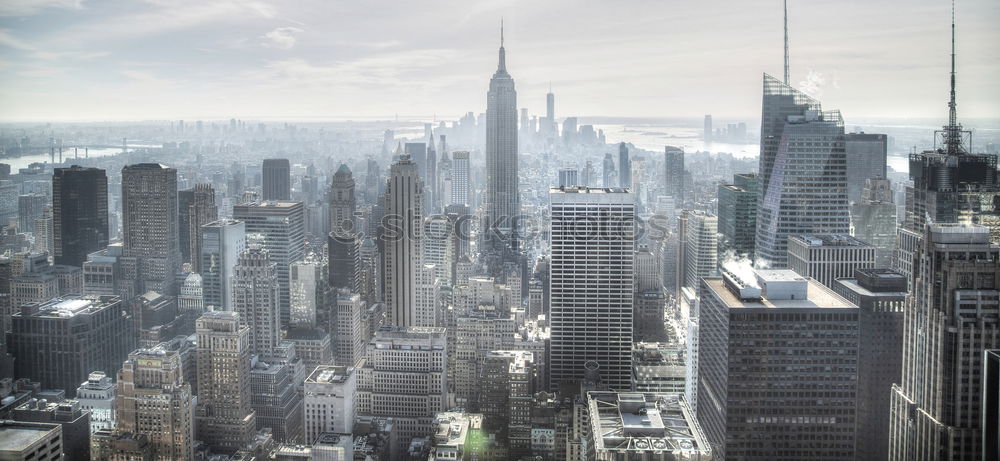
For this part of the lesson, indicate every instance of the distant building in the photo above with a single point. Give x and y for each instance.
(283, 227)
(79, 213)
(873, 219)
(97, 395)
(225, 420)
(866, 159)
(195, 208)
(673, 173)
(738, 214)
(658, 368)
(150, 226)
(276, 174)
(222, 242)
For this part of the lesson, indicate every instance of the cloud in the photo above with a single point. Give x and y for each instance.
(282, 38)
(7, 39)
(18, 8)
(813, 84)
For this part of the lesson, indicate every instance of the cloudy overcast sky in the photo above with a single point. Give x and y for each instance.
(171, 59)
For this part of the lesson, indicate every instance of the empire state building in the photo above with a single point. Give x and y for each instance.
(502, 201)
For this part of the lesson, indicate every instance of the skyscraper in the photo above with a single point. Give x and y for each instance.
(866, 159)
(673, 173)
(79, 213)
(874, 219)
(550, 113)
(803, 172)
(150, 225)
(707, 132)
(404, 222)
(283, 226)
(828, 257)
(624, 166)
(590, 308)
(255, 296)
(751, 334)
(738, 215)
(430, 179)
(503, 203)
(342, 201)
(222, 242)
(460, 178)
(226, 422)
(195, 208)
(329, 401)
(277, 179)
(701, 247)
(155, 401)
(952, 316)
(608, 171)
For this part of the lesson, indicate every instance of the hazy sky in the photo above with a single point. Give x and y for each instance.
(171, 59)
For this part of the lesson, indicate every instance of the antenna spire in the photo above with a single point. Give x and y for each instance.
(501, 31)
(952, 115)
(786, 42)
(502, 67)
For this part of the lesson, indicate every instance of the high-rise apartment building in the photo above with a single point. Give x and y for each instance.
(150, 226)
(225, 420)
(952, 315)
(222, 242)
(79, 213)
(403, 220)
(750, 337)
(283, 226)
(276, 174)
(803, 172)
(828, 257)
(592, 238)
(738, 215)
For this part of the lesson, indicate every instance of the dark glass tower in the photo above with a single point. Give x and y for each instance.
(277, 179)
(79, 213)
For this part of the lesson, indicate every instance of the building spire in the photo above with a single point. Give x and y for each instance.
(953, 131)
(502, 67)
(786, 42)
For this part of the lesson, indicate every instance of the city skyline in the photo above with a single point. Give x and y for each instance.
(257, 59)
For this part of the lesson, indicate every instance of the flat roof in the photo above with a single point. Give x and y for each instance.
(831, 240)
(852, 284)
(818, 296)
(15, 436)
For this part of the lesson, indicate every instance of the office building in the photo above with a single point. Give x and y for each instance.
(952, 315)
(828, 257)
(508, 389)
(456, 436)
(255, 296)
(150, 226)
(155, 401)
(348, 328)
(283, 227)
(60, 341)
(460, 185)
(624, 166)
(673, 173)
(591, 284)
(30, 441)
(97, 395)
(873, 219)
(609, 176)
(404, 377)
(329, 401)
(700, 247)
(569, 177)
(308, 290)
(880, 295)
(195, 208)
(276, 393)
(502, 201)
(648, 426)
(737, 214)
(751, 335)
(707, 131)
(276, 174)
(866, 159)
(79, 213)
(658, 368)
(225, 420)
(222, 242)
(342, 202)
(803, 172)
(404, 220)
(29, 208)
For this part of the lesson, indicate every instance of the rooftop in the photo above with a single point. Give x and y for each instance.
(838, 240)
(644, 422)
(16, 436)
(817, 295)
(330, 374)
